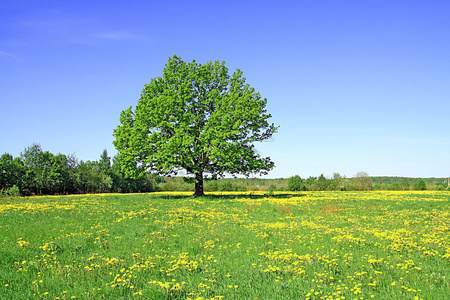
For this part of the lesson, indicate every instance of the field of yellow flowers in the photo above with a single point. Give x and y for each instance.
(309, 245)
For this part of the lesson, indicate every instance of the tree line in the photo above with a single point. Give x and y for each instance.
(39, 172)
(362, 182)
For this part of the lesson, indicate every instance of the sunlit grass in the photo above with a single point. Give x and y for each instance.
(228, 245)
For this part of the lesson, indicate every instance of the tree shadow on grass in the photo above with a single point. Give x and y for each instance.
(225, 196)
(250, 196)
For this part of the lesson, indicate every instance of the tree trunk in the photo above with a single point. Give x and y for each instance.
(199, 184)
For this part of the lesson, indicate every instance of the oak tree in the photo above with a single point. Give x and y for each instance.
(195, 117)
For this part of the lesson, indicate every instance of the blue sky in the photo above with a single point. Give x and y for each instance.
(353, 85)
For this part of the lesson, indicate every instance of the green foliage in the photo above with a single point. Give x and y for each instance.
(310, 180)
(104, 164)
(212, 186)
(441, 186)
(404, 184)
(228, 186)
(11, 192)
(295, 183)
(175, 184)
(12, 171)
(339, 183)
(421, 185)
(272, 189)
(395, 186)
(38, 172)
(46, 173)
(196, 117)
(362, 182)
(321, 184)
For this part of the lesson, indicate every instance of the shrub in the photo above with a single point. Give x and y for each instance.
(272, 189)
(421, 185)
(212, 186)
(395, 186)
(295, 183)
(441, 186)
(11, 192)
(226, 186)
(241, 188)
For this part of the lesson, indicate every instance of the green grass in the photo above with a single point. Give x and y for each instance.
(314, 245)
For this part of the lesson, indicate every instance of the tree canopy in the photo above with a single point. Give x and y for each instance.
(198, 118)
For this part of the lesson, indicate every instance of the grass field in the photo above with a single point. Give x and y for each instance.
(313, 245)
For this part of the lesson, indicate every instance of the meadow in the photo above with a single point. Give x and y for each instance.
(308, 245)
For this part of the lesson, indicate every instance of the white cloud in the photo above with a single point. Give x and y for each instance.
(7, 54)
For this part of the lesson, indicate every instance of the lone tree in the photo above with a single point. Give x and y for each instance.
(197, 118)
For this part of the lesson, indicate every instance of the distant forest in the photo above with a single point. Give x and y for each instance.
(39, 172)
(390, 180)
